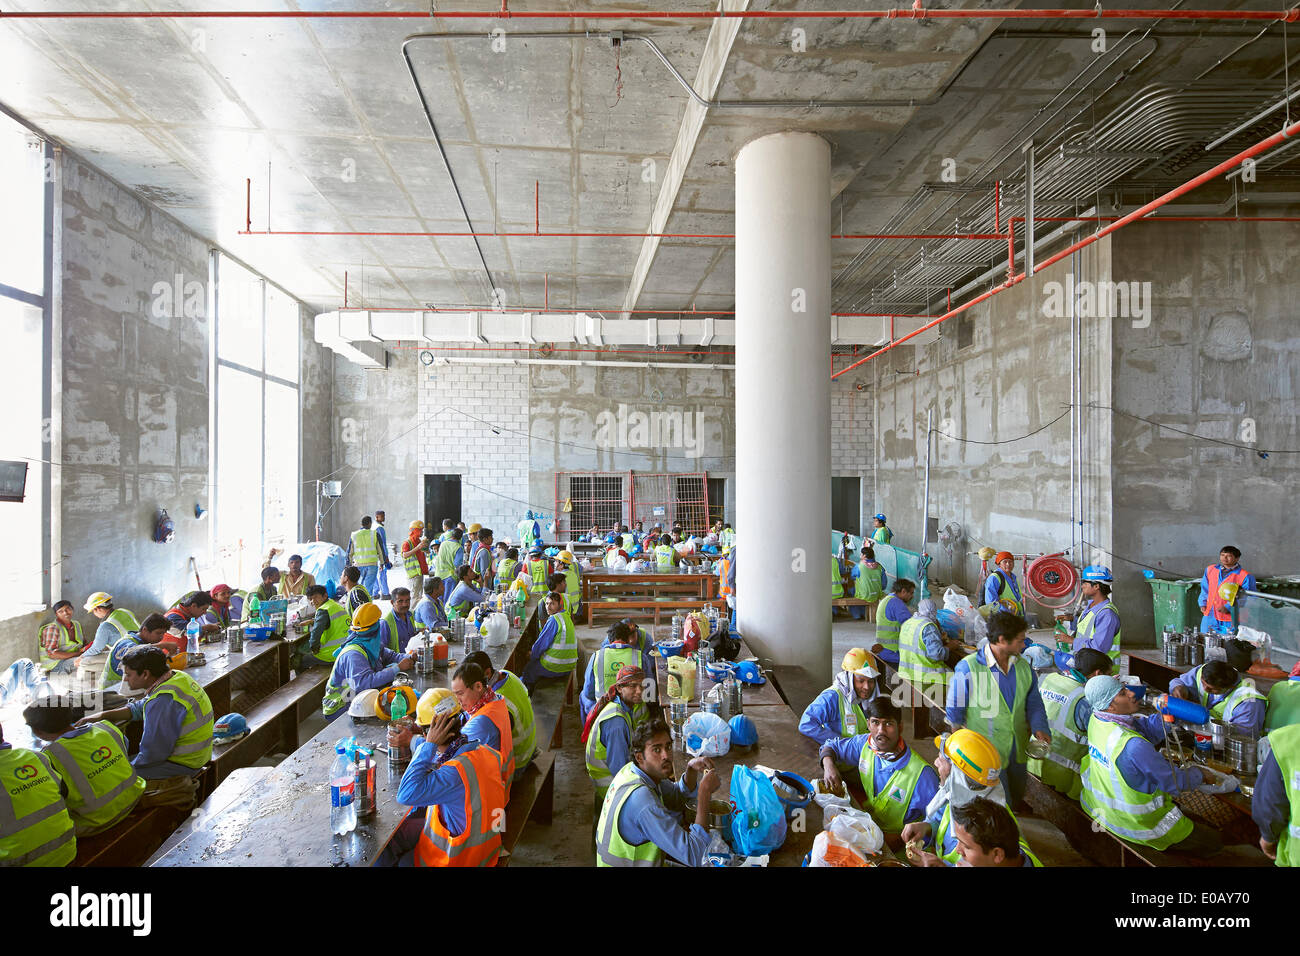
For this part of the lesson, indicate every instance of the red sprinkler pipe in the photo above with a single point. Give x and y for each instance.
(997, 205)
(1139, 213)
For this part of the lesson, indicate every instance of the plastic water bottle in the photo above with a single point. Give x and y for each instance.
(718, 853)
(343, 791)
(192, 631)
(254, 610)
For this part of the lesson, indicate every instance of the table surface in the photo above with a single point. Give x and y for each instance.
(283, 820)
(764, 694)
(1156, 657)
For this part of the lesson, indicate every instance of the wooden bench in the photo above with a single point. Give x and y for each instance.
(272, 724)
(532, 797)
(131, 842)
(851, 602)
(623, 605)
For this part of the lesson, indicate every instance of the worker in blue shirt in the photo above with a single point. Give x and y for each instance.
(891, 614)
(464, 595)
(651, 813)
(397, 627)
(363, 663)
(1219, 686)
(554, 634)
(1008, 717)
(838, 711)
(482, 559)
(621, 638)
(1216, 611)
(901, 783)
(1275, 804)
(862, 589)
(385, 561)
(1001, 584)
(430, 612)
(1097, 625)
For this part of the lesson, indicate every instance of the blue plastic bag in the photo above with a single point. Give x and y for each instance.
(757, 818)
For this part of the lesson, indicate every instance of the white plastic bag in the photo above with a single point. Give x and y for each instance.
(707, 735)
(958, 603)
(831, 805)
(829, 850)
(857, 829)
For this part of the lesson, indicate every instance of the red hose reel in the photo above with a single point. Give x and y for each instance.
(1052, 580)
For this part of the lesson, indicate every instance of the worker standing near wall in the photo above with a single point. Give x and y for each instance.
(482, 559)
(1276, 801)
(415, 560)
(1128, 787)
(996, 691)
(61, 641)
(1068, 711)
(363, 554)
(838, 711)
(880, 532)
(1098, 624)
(1217, 610)
(555, 652)
(449, 558)
(1002, 586)
(530, 532)
(385, 561)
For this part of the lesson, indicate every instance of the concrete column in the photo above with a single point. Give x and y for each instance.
(783, 438)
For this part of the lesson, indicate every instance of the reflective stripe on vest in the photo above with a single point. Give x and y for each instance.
(724, 575)
(1061, 693)
(914, 665)
(523, 728)
(334, 692)
(887, 631)
(365, 548)
(336, 634)
(506, 572)
(597, 755)
(1088, 624)
(890, 806)
(853, 720)
(882, 535)
(498, 712)
(837, 588)
(562, 656)
(485, 801)
(1008, 593)
(611, 848)
(1004, 727)
(1243, 692)
(867, 587)
(1148, 818)
(1214, 604)
(123, 620)
(572, 587)
(112, 672)
(103, 787)
(445, 564)
(64, 643)
(35, 827)
(193, 747)
(395, 642)
(607, 662)
(1285, 742)
(537, 576)
(411, 561)
(664, 557)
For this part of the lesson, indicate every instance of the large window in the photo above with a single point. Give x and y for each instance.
(256, 428)
(25, 197)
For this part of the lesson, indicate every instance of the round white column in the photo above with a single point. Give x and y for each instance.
(783, 393)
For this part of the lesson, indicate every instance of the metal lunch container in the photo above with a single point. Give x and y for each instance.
(234, 639)
(365, 782)
(1242, 753)
(424, 658)
(1218, 735)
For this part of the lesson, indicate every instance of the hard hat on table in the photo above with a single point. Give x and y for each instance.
(363, 704)
(384, 702)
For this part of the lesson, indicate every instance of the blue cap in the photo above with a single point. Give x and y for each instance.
(1097, 572)
(229, 726)
(750, 673)
(743, 731)
(529, 514)
(879, 517)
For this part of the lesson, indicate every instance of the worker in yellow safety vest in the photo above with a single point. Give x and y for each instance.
(35, 827)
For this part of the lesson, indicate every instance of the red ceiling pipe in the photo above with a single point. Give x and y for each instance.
(1139, 213)
(1011, 249)
(567, 309)
(1277, 16)
(1166, 219)
(538, 234)
(997, 205)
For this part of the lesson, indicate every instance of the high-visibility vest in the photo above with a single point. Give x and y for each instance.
(1005, 728)
(837, 588)
(103, 787)
(1285, 742)
(537, 576)
(914, 665)
(887, 630)
(65, 643)
(1088, 624)
(499, 713)
(35, 828)
(952, 856)
(728, 538)
(365, 548)
(724, 576)
(336, 634)
(562, 656)
(628, 541)
(411, 559)
(597, 755)
(1283, 705)
(353, 603)
(523, 723)
(853, 719)
(527, 532)
(572, 587)
(1060, 769)
(1244, 691)
(334, 699)
(445, 566)
(1152, 819)
(479, 844)
(193, 748)
(608, 661)
(123, 620)
(506, 571)
(890, 805)
(882, 535)
(395, 642)
(664, 557)
(1215, 605)
(611, 848)
(868, 586)
(112, 672)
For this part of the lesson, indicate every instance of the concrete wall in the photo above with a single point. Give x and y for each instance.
(853, 437)
(1220, 360)
(315, 397)
(1006, 490)
(132, 390)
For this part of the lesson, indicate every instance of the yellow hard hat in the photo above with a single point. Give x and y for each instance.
(417, 525)
(98, 599)
(178, 662)
(972, 754)
(986, 553)
(1228, 591)
(566, 556)
(384, 702)
(861, 661)
(475, 528)
(366, 616)
(435, 702)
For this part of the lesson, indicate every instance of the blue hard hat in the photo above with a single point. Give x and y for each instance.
(229, 727)
(1097, 572)
(750, 673)
(529, 514)
(1064, 659)
(879, 517)
(743, 731)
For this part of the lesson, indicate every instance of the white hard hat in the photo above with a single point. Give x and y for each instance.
(363, 705)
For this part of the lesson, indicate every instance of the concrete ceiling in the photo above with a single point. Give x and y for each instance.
(185, 111)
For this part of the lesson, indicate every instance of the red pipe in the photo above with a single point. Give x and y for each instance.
(997, 205)
(1279, 16)
(248, 204)
(1011, 249)
(537, 191)
(523, 348)
(345, 288)
(1136, 214)
(659, 312)
(537, 233)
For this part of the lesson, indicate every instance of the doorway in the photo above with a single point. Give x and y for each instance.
(441, 500)
(846, 504)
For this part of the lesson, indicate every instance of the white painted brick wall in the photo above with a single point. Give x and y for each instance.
(493, 468)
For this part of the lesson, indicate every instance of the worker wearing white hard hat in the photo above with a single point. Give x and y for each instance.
(838, 710)
(1098, 624)
(116, 622)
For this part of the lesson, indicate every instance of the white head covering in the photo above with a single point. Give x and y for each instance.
(960, 789)
(927, 609)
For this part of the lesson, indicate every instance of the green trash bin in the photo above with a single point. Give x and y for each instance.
(1174, 603)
